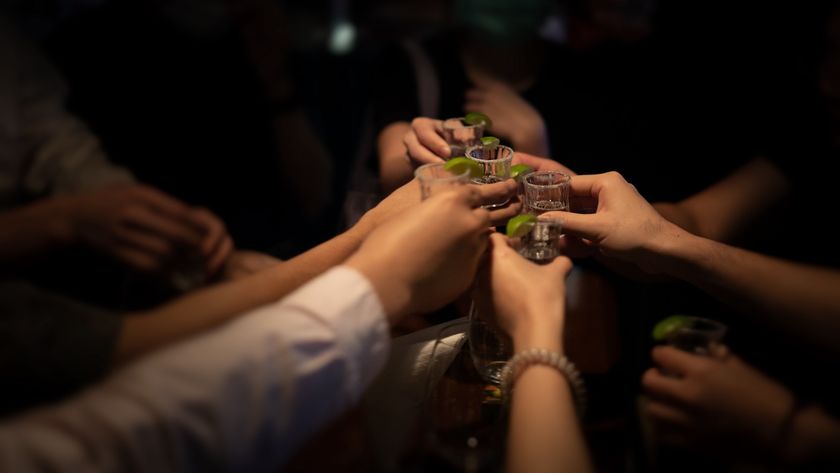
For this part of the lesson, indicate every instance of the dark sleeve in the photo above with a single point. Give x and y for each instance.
(394, 97)
(50, 346)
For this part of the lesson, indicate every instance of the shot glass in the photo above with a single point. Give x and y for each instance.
(496, 161)
(434, 178)
(546, 191)
(697, 335)
(461, 136)
(540, 244)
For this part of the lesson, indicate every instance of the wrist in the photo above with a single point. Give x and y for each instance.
(539, 330)
(669, 249)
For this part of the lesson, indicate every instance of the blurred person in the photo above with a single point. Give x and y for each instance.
(57, 187)
(245, 396)
(496, 64)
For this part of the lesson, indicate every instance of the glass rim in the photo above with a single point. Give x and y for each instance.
(489, 161)
(566, 178)
(464, 125)
(451, 177)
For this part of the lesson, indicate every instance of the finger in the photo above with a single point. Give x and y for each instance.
(562, 264)
(418, 153)
(501, 215)
(587, 226)
(483, 217)
(219, 257)
(176, 230)
(667, 414)
(498, 191)
(661, 386)
(677, 361)
(162, 202)
(425, 130)
(499, 241)
(213, 229)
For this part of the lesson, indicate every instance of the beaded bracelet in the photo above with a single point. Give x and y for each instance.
(540, 356)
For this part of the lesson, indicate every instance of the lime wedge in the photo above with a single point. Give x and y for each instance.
(461, 164)
(667, 325)
(519, 226)
(489, 142)
(519, 170)
(477, 118)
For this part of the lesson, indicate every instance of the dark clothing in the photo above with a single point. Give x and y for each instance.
(50, 346)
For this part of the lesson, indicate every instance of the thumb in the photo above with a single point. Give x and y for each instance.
(580, 225)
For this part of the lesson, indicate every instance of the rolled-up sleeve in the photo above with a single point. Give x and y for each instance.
(241, 398)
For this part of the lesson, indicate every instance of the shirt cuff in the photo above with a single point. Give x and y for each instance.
(345, 300)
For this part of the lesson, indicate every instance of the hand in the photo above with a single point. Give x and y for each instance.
(714, 403)
(624, 224)
(145, 228)
(408, 196)
(529, 299)
(420, 260)
(424, 143)
(513, 118)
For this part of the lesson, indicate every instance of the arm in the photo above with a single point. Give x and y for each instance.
(242, 398)
(544, 434)
(213, 306)
(239, 399)
(722, 211)
(800, 299)
(797, 298)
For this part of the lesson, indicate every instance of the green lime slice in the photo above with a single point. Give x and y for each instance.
(667, 325)
(490, 142)
(519, 170)
(519, 226)
(477, 118)
(461, 164)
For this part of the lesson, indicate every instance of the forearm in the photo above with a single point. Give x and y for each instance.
(796, 298)
(238, 399)
(210, 307)
(33, 230)
(544, 435)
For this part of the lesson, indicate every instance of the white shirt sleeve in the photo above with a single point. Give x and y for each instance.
(241, 398)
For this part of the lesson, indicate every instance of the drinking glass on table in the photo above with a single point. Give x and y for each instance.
(496, 161)
(697, 335)
(460, 135)
(546, 191)
(434, 178)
